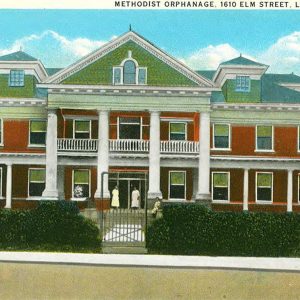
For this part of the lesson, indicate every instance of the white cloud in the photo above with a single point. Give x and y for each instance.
(53, 49)
(284, 55)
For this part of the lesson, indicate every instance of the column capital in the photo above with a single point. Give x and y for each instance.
(103, 111)
(154, 112)
(51, 111)
(9, 164)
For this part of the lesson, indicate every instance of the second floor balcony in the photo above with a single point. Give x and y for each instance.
(65, 145)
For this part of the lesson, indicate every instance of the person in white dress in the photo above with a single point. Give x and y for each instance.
(115, 203)
(135, 198)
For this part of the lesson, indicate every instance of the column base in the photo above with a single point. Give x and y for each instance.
(106, 195)
(203, 199)
(50, 195)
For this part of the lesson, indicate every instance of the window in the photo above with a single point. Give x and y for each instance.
(177, 131)
(299, 188)
(220, 186)
(221, 136)
(81, 184)
(82, 129)
(177, 185)
(298, 138)
(130, 128)
(242, 84)
(1, 182)
(129, 73)
(38, 132)
(264, 187)
(36, 182)
(1, 132)
(264, 138)
(16, 78)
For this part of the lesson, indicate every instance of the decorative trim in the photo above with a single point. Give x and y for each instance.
(16, 102)
(130, 36)
(257, 107)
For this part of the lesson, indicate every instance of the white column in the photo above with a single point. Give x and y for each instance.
(8, 185)
(103, 154)
(246, 190)
(51, 191)
(204, 157)
(290, 191)
(154, 156)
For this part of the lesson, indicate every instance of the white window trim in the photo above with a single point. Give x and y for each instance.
(121, 76)
(264, 201)
(9, 75)
(229, 138)
(264, 150)
(90, 127)
(185, 130)
(243, 91)
(228, 186)
(36, 145)
(169, 185)
(1, 133)
(141, 126)
(83, 198)
(28, 184)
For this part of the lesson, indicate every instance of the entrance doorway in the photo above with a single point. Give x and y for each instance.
(126, 182)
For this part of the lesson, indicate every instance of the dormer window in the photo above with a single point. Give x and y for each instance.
(242, 84)
(129, 72)
(16, 78)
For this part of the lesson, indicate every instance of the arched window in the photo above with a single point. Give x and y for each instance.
(129, 75)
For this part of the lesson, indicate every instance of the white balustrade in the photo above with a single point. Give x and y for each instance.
(77, 145)
(128, 145)
(91, 145)
(186, 147)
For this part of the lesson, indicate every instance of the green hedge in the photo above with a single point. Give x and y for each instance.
(53, 225)
(193, 229)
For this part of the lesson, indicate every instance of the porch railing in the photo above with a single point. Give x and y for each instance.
(179, 147)
(77, 145)
(129, 145)
(91, 145)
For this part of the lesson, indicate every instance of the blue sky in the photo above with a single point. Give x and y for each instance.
(200, 38)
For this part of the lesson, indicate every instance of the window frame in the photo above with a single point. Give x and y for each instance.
(229, 138)
(89, 183)
(264, 150)
(298, 138)
(185, 129)
(272, 188)
(119, 123)
(29, 136)
(1, 132)
(28, 183)
(240, 89)
(9, 78)
(1, 182)
(169, 185)
(228, 186)
(74, 128)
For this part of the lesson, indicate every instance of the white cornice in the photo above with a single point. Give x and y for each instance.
(13, 102)
(169, 60)
(36, 66)
(257, 107)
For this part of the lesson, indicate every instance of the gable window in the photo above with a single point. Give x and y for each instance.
(177, 131)
(221, 136)
(220, 186)
(242, 84)
(38, 132)
(264, 138)
(36, 184)
(129, 128)
(129, 73)
(82, 129)
(1, 132)
(81, 184)
(177, 185)
(16, 78)
(264, 187)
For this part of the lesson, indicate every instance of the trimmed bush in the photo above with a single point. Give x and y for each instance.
(195, 230)
(52, 225)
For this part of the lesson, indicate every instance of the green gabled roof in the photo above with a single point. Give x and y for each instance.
(17, 56)
(209, 74)
(272, 91)
(217, 97)
(51, 71)
(242, 61)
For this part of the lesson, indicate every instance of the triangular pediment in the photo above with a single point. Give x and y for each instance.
(96, 68)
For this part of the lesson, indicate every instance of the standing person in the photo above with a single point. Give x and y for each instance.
(115, 203)
(135, 198)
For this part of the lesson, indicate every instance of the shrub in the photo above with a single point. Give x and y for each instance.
(193, 229)
(53, 225)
